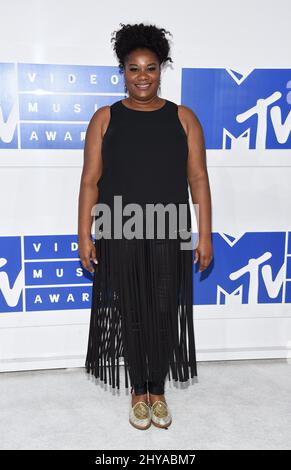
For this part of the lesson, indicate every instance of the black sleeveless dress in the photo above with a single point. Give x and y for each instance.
(142, 294)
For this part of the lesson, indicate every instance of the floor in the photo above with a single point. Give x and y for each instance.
(230, 405)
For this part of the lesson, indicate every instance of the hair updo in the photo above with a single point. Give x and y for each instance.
(133, 36)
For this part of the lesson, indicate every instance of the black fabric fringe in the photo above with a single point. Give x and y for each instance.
(142, 311)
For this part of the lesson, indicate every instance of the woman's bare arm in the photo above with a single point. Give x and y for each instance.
(199, 184)
(88, 195)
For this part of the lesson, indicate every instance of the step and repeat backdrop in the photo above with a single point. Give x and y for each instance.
(53, 81)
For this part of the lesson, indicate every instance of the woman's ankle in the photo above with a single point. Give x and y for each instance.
(156, 387)
(141, 397)
(153, 397)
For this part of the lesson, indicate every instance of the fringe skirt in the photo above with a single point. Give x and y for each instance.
(142, 312)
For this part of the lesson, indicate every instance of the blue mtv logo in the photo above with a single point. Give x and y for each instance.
(250, 269)
(9, 114)
(49, 106)
(240, 111)
(11, 275)
(42, 273)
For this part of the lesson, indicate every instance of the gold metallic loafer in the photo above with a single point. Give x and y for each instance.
(140, 415)
(161, 414)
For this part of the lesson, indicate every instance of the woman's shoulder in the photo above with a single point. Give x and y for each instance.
(188, 115)
(100, 120)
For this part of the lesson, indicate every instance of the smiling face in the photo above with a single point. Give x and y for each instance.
(142, 74)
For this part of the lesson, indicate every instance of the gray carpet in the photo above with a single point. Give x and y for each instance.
(231, 405)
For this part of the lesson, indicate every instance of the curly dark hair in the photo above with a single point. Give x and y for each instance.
(133, 36)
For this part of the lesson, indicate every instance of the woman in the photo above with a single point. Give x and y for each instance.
(147, 150)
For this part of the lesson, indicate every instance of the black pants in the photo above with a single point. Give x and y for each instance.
(156, 388)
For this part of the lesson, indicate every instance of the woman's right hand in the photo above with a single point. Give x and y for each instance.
(87, 252)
